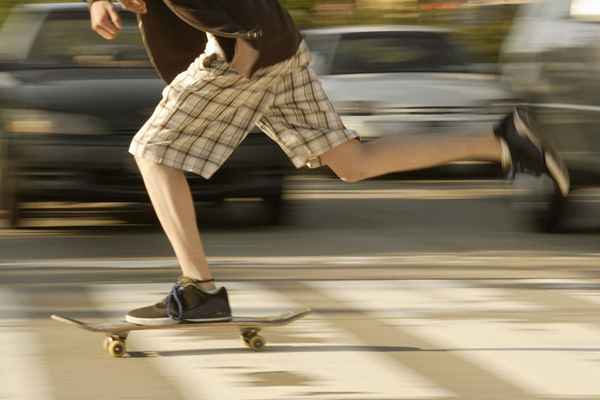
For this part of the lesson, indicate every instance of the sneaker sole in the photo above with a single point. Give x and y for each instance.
(151, 321)
(219, 319)
(554, 165)
(559, 173)
(171, 321)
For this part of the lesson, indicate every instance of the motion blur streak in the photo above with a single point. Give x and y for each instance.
(449, 283)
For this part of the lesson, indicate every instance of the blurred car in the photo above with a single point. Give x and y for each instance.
(70, 103)
(551, 58)
(390, 80)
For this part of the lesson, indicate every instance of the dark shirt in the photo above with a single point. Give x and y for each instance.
(252, 33)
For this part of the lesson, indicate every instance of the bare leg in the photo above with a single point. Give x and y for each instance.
(355, 161)
(171, 197)
(172, 200)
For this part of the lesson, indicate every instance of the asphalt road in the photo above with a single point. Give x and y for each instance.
(419, 290)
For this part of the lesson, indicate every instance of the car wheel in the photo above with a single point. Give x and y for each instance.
(538, 204)
(9, 206)
(274, 205)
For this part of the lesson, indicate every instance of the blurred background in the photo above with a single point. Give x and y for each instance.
(71, 101)
(444, 283)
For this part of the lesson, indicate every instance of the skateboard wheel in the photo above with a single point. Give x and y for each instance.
(116, 348)
(106, 343)
(256, 343)
(247, 333)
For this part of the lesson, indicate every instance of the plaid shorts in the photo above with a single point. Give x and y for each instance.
(207, 110)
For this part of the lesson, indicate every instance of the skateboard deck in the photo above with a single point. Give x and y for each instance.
(248, 326)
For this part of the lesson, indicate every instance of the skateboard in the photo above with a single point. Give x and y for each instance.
(249, 328)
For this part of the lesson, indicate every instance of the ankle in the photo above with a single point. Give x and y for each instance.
(207, 285)
(204, 284)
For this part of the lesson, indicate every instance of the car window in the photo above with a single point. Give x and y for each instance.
(397, 52)
(67, 39)
(322, 49)
(17, 33)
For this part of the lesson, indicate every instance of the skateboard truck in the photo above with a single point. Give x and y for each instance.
(252, 339)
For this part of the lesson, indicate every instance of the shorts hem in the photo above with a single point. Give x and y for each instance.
(315, 160)
(141, 151)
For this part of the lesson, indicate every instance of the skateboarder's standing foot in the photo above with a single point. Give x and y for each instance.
(188, 301)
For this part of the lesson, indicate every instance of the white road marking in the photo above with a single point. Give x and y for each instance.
(415, 298)
(593, 296)
(578, 289)
(315, 358)
(549, 359)
(23, 373)
(534, 356)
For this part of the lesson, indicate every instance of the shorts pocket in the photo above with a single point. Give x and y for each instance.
(210, 68)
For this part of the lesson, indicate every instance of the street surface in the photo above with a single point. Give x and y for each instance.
(420, 290)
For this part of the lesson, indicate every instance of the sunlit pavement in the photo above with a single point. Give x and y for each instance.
(414, 297)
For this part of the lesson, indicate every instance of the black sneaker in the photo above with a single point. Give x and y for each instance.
(527, 154)
(185, 303)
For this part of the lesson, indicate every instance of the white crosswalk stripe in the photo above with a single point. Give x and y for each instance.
(23, 370)
(545, 358)
(405, 339)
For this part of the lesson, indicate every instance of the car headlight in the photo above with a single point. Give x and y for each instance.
(585, 9)
(25, 121)
(7, 81)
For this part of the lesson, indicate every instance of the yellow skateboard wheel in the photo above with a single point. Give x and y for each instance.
(116, 348)
(256, 343)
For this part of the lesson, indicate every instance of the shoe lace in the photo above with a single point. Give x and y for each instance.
(174, 297)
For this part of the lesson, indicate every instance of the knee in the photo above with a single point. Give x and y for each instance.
(145, 165)
(348, 162)
(140, 162)
(156, 170)
(350, 173)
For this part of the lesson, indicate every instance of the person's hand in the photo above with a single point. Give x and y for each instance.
(135, 6)
(105, 19)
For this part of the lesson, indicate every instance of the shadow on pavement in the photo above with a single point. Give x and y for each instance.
(333, 348)
(272, 349)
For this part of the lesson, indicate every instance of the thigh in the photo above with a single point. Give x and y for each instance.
(302, 119)
(203, 115)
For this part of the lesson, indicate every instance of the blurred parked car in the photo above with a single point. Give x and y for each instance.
(390, 80)
(70, 102)
(552, 61)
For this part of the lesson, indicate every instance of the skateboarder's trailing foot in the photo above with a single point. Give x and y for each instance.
(527, 154)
